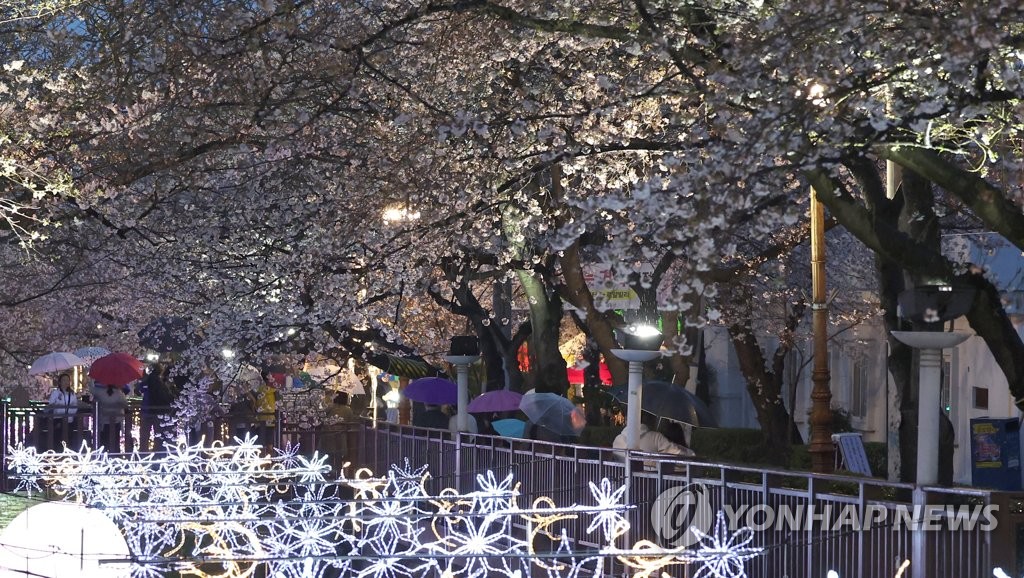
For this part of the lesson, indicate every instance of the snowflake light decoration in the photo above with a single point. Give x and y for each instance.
(229, 510)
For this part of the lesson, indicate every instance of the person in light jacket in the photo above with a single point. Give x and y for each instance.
(110, 403)
(61, 409)
(652, 441)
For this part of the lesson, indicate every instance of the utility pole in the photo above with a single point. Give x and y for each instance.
(821, 449)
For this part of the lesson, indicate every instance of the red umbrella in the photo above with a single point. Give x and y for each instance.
(117, 369)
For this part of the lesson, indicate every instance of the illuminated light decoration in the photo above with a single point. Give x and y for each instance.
(222, 511)
(721, 554)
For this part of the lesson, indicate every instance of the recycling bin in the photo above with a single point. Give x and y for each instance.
(995, 453)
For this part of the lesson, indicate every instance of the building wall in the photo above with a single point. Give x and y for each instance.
(858, 374)
(972, 366)
(730, 401)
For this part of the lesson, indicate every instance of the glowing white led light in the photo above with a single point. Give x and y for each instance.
(237, 510)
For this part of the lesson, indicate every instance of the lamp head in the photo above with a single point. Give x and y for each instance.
(640, 336)
(464, 345)
(932, 304)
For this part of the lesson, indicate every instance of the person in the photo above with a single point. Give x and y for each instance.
(472, 425)
(242, 411)
(340, 411)
(431, 417)
(157, 397)
(20, 397)
(337, 440)
(266, 409)
(650, 440)
(111, 403)
(537, 432)
(61, 409)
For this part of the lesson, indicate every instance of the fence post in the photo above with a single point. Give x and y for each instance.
(812, 569)
(919, 539)
(861, 511)
(458, 460)
(4, 438)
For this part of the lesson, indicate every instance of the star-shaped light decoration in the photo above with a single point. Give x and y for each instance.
(722, 554)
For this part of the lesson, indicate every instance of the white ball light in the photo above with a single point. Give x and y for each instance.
(60, 539)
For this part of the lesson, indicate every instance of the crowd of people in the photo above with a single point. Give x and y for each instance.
(252, 409)
(659, 436)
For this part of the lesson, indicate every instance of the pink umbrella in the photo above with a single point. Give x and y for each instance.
(500, 400)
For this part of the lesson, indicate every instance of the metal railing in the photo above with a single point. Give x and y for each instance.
(852, 547)
(562, 472)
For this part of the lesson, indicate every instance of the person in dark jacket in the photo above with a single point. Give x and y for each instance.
(157, 397)
(431, 417)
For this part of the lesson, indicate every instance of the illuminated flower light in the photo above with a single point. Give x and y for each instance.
(228, 510)
(718, 555)
(608, 519)
(723, 554)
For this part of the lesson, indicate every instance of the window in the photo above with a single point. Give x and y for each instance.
(944, 391)
(860, 386)
(980, 398)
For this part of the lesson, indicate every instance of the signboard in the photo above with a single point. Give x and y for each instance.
(607, 294)
(851, 449)
(986, 445)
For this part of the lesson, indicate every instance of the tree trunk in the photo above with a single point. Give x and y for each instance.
(599, 328)
(765, 389)
(547, 368)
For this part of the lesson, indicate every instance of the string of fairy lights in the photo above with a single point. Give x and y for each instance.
(230, 510)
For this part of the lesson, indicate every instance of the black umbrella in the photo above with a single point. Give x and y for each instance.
(167, 334)
(670, 401)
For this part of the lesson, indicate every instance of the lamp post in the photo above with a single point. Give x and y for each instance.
(640, 344)
(464, 351)
(821, 449)
(929, 307)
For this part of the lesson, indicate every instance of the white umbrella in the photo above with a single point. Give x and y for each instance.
(350, 383)
(56, 361)
(240, 376)
(91, 354)
(336, 378)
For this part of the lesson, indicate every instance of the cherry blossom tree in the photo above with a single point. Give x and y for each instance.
(240, 157)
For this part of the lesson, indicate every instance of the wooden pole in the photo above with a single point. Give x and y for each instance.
(821, 448)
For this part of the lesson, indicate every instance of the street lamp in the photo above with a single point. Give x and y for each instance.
(463, 352)
(929, 307)
(640, 343)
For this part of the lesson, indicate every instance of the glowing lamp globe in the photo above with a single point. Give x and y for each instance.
(60, 539)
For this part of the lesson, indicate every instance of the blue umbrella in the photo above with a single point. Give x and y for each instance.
(510, 428)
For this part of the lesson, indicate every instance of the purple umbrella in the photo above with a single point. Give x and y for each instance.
(432, 390)
(500, 400)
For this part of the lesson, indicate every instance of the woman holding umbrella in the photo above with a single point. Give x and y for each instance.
(62, 407)
(111, 403)
(113, 372)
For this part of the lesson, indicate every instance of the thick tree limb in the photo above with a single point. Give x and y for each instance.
(987, 201)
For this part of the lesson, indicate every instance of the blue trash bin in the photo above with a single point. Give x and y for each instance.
(995, 453)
